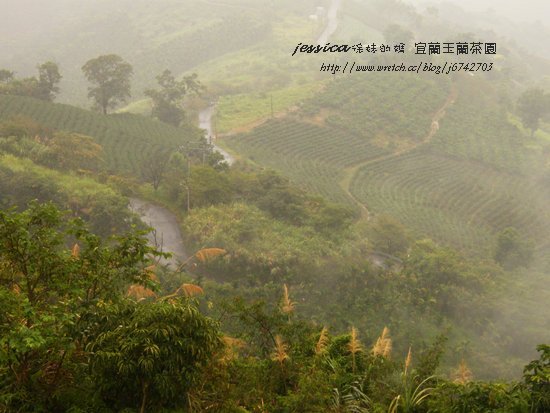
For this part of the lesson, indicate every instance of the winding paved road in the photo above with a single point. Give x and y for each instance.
(332, 22)
(166, 235)
(205, 115)
(205, 122)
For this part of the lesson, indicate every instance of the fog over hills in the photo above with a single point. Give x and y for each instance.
(155, 35)
(519, 11)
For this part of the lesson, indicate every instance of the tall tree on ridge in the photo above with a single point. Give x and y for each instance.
(110, 75)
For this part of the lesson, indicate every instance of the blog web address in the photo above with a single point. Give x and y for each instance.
(422, 67)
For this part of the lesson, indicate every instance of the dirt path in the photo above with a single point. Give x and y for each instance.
(349, 173)
(166, 235)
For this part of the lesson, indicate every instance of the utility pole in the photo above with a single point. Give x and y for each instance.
(186, 148)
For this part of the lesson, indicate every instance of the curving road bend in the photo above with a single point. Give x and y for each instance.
(205, 122)
(166, 235)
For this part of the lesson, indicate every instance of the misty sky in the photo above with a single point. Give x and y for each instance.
(518, 10)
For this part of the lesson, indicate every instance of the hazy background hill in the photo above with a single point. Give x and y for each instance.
(183, 34)
(152, 36)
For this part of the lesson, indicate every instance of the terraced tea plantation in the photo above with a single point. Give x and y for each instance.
(459, 202)
(388, 106)
(312, 156)
(478, 175)
(126, 139)
(356, 126)
(477, 128)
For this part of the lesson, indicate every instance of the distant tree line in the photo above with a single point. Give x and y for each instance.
(44, 86)
(109, 76)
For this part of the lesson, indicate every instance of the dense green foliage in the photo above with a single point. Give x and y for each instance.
(475, 175)
(282, 301)
(337, 281)
(389, 235)
(196, 179)
(64, 311)
(59, 150)
(73, 341)
(22, 181)
(38, 163)
(261, 252)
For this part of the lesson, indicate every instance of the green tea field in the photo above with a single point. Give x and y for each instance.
(126, 138)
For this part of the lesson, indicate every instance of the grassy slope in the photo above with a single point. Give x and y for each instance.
(102, 207)
(235, 112)
(77, 186)
(247, 77)
(126, 138)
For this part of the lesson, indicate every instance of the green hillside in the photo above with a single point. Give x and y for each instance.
(310, 155)
(383, 106)
(126, 138)
(459, 202)
(343, 126)
(102, 207)
(479, 175)
(443, 160)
